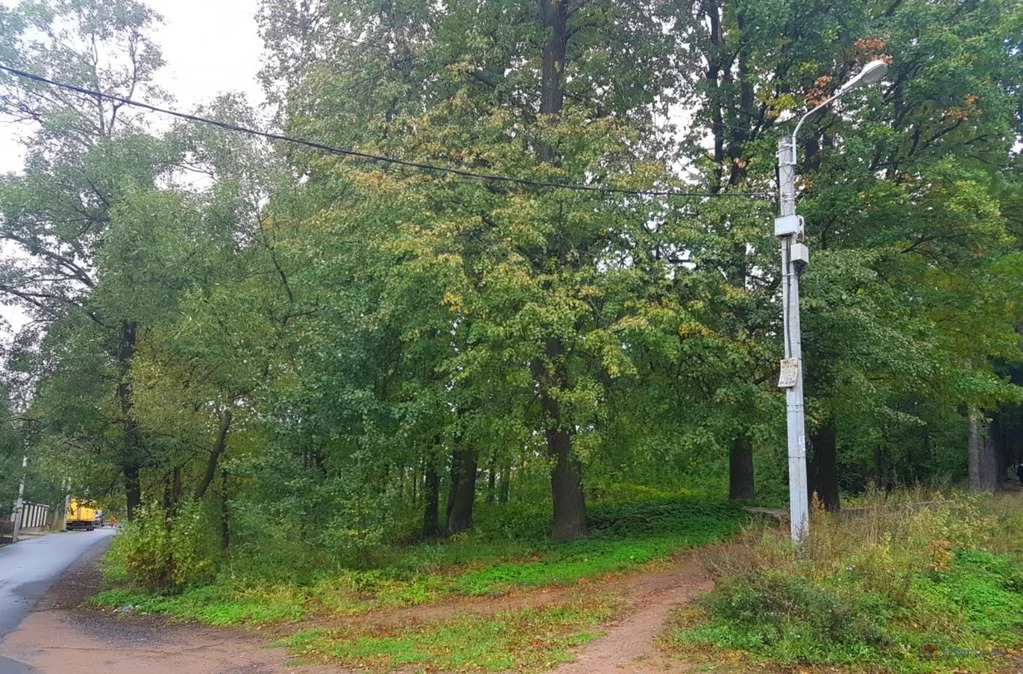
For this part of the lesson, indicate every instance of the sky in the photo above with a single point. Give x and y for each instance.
(210, 46)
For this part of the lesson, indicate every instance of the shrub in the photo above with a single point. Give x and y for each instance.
(160, 553)
(869, 587)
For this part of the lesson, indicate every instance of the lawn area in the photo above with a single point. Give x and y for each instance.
(508, 550)
(898, 588)
(523, 640)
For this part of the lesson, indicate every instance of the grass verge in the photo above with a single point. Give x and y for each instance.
(895, 589)
(508, 551)
(524, 640)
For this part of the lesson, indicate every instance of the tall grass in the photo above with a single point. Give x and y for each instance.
(873, 587)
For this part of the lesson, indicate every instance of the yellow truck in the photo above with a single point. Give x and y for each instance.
(81, 515)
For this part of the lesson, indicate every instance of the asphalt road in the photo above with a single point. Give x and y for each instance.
(28, 568)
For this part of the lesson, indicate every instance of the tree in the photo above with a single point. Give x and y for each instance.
(887, 214)
(557, 92)
(84, 153)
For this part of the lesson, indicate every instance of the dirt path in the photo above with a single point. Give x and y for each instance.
(629, 644)
(57, 638)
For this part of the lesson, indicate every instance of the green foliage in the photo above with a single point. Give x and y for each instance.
(11, 453)
(870, 591)
(212, 604)
(158, 552)
(309, 344)
(267, 583)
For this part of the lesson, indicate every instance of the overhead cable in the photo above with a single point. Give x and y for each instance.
(464, 173)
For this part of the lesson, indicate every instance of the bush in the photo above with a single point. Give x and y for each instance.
(661, 515)
(868, 588)
(161, 553)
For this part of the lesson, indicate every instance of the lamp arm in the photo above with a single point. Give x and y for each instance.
(826, 103)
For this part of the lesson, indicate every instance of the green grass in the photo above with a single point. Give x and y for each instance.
(214, 604)
(868, 594)
(520, 640)
(508, 550)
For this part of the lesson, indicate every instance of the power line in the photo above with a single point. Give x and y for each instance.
(488, 177)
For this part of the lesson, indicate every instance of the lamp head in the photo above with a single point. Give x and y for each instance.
(871, 73)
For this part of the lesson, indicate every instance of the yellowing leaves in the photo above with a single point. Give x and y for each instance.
(453, 301)
(694, 329)
(632, 323)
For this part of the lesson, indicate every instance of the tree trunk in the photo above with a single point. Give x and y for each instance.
(990, 459)
(566, 478)
(567, 489)
(132, 491)
(740, 469)
(1002, 453)
(431, 499)
(824, 467)
(460, 508)
(131, 436)
(974, 449)
(455, 475)
(878, 469)
(215, 454)
(552, 94)
(491, 481)
(505, 491)
(981, 454)
(225, 513)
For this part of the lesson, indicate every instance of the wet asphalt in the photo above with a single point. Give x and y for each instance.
(28, 569)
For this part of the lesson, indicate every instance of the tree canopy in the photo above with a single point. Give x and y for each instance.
(358, 352)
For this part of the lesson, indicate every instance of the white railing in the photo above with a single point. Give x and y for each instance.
(33, 516)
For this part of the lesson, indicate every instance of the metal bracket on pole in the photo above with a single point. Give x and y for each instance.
(799, 257)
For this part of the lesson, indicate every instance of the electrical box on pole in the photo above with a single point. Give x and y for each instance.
(789, 225)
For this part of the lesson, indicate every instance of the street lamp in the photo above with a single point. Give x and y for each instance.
(794, 259)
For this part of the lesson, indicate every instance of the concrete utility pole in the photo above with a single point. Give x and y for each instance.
(66, 486)
(19, 505)
(794, 259)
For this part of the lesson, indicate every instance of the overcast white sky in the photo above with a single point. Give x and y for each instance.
(210, 46)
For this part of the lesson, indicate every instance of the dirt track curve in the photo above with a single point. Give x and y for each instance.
(59, 638)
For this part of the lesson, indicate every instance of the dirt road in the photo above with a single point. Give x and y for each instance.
(57, 638)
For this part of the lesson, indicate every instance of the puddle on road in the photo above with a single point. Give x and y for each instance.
(8, 666)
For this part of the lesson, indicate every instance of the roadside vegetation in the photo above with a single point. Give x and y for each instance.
(870, 591)
(500, 286)
(509, 551)
(522, 640)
